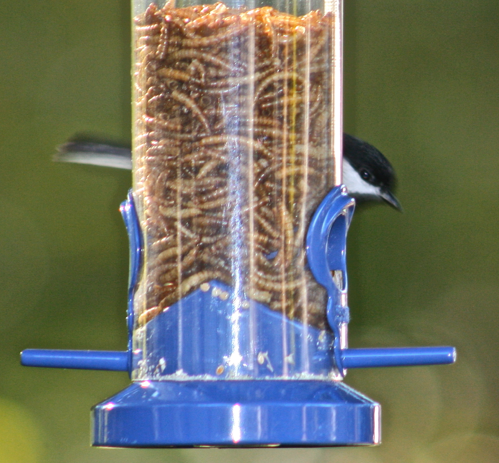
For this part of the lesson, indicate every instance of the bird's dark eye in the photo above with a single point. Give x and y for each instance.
(366, 175)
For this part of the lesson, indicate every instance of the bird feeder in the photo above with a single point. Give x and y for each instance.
(237, 219)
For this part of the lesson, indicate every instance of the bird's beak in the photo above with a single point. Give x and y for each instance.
(391, 200)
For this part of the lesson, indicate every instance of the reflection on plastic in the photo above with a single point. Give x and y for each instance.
(236, 423)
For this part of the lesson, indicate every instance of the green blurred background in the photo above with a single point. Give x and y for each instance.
(421, 83)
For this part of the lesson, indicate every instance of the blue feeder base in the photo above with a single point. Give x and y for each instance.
(224, 413)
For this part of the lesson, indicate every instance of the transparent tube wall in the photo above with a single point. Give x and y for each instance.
(233, 152)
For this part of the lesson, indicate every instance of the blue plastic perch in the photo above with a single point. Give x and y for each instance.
(352, 358)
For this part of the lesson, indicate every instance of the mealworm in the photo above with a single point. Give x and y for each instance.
(212, 222)
(190, 104)
(195, 280)
(259, 295)
(208, 167)
(275, 77)
(201, 156)
(319, 43)
(216, 203)
(174, 74)
(203, 42)
(266, 227)
(161, 243)
(149, 314)
(200, 185)
(212, 239)
(215, 261)
(179, 212)
(159, 123)
(215, 194)
(146, 40)
(201, 56)
(186, 262)
(236, 139)
(241, 80)
(197, 67)
(174, 252)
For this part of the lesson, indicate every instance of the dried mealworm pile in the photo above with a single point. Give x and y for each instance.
(232, 152)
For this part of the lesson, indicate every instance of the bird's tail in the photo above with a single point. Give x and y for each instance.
(93, 153)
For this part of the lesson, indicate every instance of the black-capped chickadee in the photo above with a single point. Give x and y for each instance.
(367, 174)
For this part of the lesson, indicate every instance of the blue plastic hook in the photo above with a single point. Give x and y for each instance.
(326, 255)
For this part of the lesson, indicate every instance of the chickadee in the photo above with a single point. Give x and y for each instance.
(367, 174)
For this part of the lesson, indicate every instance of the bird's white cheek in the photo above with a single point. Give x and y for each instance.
(355, 184)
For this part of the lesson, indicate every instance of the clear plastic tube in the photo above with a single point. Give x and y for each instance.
(233, 152)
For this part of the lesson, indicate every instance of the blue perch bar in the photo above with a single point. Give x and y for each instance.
(352, 358)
